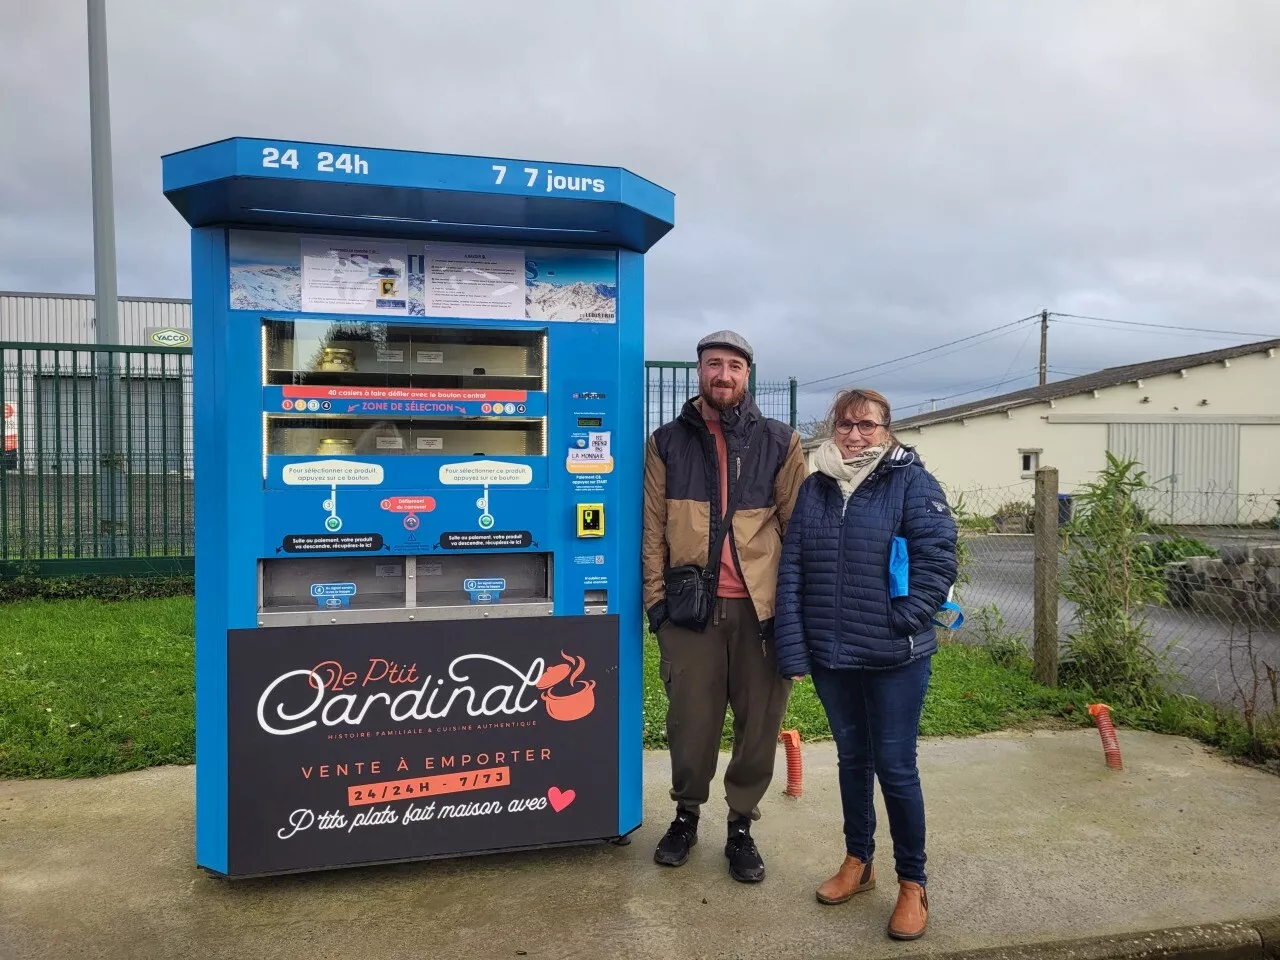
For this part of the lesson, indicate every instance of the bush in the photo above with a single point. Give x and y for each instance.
(1111, 581)
(1003, 646)
(965, 518)
(26, 587)
(1176, 548)
(1017, 516)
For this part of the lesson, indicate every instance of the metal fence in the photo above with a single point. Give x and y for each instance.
(62, 496)
(1215, 631)
(669, 383)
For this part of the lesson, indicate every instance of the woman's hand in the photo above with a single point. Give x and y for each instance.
(797, 679)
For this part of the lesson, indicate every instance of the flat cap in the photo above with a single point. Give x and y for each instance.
(727, 340)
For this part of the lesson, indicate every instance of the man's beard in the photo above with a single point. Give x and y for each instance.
(723, 405)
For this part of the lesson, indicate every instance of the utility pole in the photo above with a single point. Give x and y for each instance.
(107, 326)
(1044, 347)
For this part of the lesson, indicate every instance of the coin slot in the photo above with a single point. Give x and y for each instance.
(595, 601)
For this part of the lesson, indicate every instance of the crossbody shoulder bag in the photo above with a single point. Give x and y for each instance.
(691, 589)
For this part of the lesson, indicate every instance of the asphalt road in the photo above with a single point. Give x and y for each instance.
(1200, 648)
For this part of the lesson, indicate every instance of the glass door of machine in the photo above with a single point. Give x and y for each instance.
(357, 388)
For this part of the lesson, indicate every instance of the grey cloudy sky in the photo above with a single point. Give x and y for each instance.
(854, 181)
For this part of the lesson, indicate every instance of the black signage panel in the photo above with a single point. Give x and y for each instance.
(331, 542)
(360, 743)
(506, 539)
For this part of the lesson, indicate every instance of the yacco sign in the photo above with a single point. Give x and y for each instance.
(169, 337)
(371, 742)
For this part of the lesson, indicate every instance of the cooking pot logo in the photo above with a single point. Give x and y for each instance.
(567, 697)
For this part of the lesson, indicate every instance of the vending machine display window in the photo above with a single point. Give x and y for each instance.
(469, 585)
(356, 583)
(462, 579)
(361, 353)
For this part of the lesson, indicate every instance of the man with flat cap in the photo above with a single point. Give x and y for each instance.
(720, 453)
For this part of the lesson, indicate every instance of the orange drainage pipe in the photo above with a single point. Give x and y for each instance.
(795, 766)
(1101, 714)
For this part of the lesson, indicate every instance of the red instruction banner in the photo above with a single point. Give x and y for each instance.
(402, 393)
(409, 504)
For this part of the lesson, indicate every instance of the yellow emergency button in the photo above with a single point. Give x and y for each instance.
(591, 519)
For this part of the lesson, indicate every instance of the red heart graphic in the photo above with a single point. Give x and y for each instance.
(560, 799)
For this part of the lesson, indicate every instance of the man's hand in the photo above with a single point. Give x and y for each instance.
(657, 616)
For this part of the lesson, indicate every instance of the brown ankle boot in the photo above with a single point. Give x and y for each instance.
(853, 877)
(911, 913)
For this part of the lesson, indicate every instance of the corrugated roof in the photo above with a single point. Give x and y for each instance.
(69, 317)
(1111, 377)
(89, 296)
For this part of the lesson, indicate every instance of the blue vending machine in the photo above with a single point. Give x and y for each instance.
(419, 429)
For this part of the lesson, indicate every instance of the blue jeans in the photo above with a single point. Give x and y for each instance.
(875, 720)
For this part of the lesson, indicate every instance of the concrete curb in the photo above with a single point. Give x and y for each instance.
(1269, 930)
(1257, 939)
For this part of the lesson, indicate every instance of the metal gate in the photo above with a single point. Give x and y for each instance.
(669, 383)
(1195, 468)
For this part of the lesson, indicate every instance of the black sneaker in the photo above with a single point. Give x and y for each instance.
(681, 836)
(745, 863)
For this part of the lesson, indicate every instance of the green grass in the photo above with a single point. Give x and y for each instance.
(88, 688)
(969, 694)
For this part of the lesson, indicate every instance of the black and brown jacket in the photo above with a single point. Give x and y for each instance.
(682, 496)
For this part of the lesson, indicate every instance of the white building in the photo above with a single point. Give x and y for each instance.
(69, 318)
(1205, 427)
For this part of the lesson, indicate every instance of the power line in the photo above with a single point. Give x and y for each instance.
(933, 357)
(919, 353)
(1165, 326)
(989, 386)
(965, 393)
(983, 337)
(930, 358)
(1162, 332)
(1018, 355)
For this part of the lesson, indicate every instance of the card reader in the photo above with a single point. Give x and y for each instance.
(591, 519)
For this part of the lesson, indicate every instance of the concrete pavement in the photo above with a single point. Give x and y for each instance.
(1032, 839)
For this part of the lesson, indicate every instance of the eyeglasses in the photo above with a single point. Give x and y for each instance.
(865, 427)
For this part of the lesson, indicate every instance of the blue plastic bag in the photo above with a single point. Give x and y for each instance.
(899, 583)
(959, 621)
(899, 568)
(900, 578)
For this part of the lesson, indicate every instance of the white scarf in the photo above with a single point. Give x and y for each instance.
(829, 459)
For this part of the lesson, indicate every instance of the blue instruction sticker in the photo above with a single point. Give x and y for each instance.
(333, 594)
(488, 590)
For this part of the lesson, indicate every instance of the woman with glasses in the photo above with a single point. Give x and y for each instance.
(868, 561)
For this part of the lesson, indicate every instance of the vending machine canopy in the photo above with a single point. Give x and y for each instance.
(314, 186)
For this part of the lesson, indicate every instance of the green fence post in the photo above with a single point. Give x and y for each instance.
(795, 401)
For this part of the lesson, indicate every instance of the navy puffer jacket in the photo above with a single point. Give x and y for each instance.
(834, 607)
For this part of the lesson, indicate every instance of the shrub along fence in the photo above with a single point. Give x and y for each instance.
(1156, 616)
